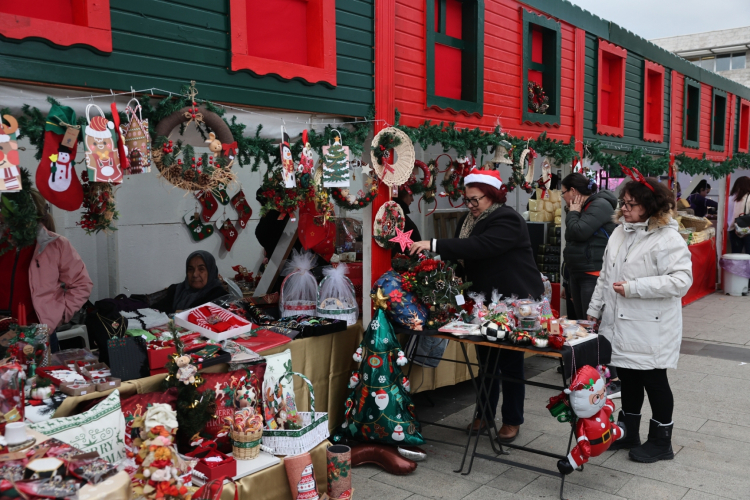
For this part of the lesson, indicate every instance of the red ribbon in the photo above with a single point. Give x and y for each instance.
(229, 149)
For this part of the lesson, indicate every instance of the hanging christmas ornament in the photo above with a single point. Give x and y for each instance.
(501, 154)
(10, 173)
(98, 206)
(102, 158)
(137, 140)
(287, 162)
(392, 173)
(389, 218)
(243, 208)
(229, 232)
(207, 201)
(220, 193)
(403, 239)
(306, 163)
(528, 155)
(198, 230)
(336, 164)
(121, 150)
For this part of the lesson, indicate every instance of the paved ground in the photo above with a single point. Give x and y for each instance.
(711, 437)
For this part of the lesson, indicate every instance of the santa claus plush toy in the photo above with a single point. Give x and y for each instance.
(594, 432)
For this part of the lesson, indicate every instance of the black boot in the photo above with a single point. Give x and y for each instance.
(632, 425)
(563, 465)
(658, 447)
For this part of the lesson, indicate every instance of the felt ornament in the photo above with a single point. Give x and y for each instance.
(137, 140)
(220, 193)
(403, 238)
(306, 163)
(229, 232)
(287, 161)
(121, 150)
(239, 202)
(336, 164)
(102, 158)
(208, 202)
(56, 178)
(198, 230)
(10, 174)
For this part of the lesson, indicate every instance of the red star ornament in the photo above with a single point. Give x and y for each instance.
(403, 239)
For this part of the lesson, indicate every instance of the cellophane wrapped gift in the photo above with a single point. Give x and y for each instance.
(12, 378)
(29, 344)
(299, 290)
(336, 297)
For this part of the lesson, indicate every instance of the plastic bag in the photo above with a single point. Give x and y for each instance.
(299, 290)
(336, 296)
(480, 310)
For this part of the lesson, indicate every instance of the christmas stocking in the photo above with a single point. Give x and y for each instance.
(243, 208)
(220, 193)
(229, 232)
(208, 202)
(198, 230)
(56, 178)
(319, 239)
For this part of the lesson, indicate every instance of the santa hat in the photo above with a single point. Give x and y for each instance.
(99, 127)
(379, 392)
(491, 177)
(586, 381)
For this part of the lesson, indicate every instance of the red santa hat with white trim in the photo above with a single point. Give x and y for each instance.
(491, 177)
(100, 127)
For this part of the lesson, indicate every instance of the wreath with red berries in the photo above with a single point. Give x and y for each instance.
(98, 206)
(283, 200)
(360, 202)
(538, 101)
(386, 142)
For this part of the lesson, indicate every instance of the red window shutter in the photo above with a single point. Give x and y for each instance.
(743, 144)
(288, 38)
(653, 108)
(62, 22)
(448, 81)
(454, 19)
(537, 41)
(611, 90)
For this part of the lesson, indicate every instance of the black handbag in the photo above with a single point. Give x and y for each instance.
(743, 220)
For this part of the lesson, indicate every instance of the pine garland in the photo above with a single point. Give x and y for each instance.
(20, 217)
(646, 164)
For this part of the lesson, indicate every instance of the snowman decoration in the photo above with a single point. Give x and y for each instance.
(398, 433)
(60, 168)
(381, 399)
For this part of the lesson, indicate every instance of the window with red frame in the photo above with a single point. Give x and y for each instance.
(653, 102)
(610, 118)
(62, 22)
(743, 140)
(288, 38)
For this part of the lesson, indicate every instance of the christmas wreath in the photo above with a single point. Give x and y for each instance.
(20, 217)
(382, 148)
(538, 101)
(343, 199)
(98, 206)
(283, 200)
(453, 181)
(434, 283)
(389, 217)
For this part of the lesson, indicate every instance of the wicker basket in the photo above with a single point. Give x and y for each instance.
(313, 432)
(246, 445)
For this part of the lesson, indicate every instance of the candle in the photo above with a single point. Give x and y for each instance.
(21, 315)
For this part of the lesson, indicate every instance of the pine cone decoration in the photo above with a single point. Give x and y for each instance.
(204, 179)
(188, 175)
(174, 172)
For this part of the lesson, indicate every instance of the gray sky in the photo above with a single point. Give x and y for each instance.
(662, 18)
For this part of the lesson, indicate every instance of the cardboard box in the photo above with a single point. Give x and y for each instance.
(44, 372)
(214, 469)
(105, 384)
(182, 320)
(78, 389)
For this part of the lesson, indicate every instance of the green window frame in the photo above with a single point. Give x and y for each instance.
(718, 120)
(691, 114)
(472, 61)
(550, 66)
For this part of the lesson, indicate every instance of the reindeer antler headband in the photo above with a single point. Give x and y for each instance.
(636, 176)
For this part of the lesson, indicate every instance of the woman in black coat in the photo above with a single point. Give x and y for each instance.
(492, 243)
(201, 285)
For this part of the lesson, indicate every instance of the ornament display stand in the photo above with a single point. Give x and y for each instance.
(276, 261)
(581, 354)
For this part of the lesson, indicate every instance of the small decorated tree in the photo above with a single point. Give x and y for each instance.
(336, 165)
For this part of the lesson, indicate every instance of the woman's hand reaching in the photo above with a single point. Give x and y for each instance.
(419, 246)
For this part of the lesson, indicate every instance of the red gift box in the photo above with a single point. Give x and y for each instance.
(227, 466)
(43, 372)
(159, 351)
(265, 340)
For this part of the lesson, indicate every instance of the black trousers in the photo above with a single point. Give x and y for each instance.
(510, 364)
(582, 287)
(655, 384)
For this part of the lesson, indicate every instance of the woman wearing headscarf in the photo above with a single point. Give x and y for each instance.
(698, 201)
(201, 285)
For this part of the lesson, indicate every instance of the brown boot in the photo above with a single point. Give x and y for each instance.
(477, 425)
(508, 433)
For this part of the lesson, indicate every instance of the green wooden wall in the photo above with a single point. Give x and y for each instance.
(165, 44)
(633, 133)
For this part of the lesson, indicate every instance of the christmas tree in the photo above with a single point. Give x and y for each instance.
(379, 408)
(336, 165)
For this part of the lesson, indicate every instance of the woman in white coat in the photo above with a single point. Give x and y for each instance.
(646, 271)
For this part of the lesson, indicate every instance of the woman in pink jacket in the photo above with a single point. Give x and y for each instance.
(48, 278)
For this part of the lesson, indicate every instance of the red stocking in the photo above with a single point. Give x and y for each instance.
(56, 178)
(208, 202)
(243, 208)
(229, 232)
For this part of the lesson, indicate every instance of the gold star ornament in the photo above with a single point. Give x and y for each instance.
(379, 299)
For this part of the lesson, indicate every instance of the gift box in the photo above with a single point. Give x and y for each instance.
(190, 319)
(12, 378)
(264, 340)
(79, 389)
(48, 372)
(216, 464)
(105, 384)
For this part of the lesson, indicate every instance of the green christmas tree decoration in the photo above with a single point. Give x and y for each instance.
(336, 165)
(379, 407)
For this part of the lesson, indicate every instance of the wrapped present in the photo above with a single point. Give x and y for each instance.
(12, 379)
(299, 290)
(336, 295)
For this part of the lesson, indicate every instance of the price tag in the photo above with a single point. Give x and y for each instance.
(70, 137)
(460, 300)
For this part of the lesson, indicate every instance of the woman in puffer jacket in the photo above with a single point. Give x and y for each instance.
(646, 272)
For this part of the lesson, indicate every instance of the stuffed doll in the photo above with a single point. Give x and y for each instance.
(186, 372)
(594, 431)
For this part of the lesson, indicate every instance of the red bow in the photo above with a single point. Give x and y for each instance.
(636, 176)
(229, 149)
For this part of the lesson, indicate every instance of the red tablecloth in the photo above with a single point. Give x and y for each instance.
(704, 271)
